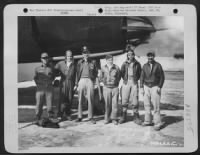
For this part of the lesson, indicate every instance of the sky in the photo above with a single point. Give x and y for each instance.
(167, 42)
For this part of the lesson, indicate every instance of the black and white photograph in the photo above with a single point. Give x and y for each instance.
(100, 78)
(101, 81)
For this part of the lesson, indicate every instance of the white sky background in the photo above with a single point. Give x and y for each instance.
(167, 42)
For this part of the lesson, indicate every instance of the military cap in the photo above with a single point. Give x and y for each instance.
(85, 50)
(44, 55)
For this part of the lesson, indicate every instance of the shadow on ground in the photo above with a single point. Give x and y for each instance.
(167, 120)
(28, 115)
(163, 106)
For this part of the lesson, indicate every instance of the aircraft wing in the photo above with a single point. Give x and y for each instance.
(92, 55)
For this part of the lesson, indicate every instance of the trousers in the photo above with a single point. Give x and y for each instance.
(85, 91)
(129, 93)
(111, 96)
(152, 96)
(43, 94)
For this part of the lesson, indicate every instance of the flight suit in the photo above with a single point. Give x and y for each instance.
(68, 75)
(44, 76)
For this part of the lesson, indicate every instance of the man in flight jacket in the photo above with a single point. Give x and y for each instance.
(151, 81)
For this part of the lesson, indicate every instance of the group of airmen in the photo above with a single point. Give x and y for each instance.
(82, 77)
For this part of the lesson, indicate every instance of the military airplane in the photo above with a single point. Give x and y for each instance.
(102, 35)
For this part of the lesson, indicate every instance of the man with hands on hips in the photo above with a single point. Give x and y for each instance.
(151, 81)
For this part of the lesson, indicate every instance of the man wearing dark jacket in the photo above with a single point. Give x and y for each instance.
(44, 77)
(151, 81)
(85, 77)
(67, 70)
(130, 71)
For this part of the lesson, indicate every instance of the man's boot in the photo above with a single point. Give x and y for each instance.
(115, 122)
(51, 117)
(136, 119)
(147, 120)
(67, 116)
(123, 118)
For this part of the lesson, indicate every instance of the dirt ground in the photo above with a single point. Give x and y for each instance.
(85, 134)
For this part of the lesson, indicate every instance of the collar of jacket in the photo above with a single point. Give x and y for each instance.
(81, 62)
(45, 66)
(153, 62)
(71, 62)
(113, 66)
(89, 60)
(134, 62)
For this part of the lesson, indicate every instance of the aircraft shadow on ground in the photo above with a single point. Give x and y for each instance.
(163, 106)
(167, 120)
